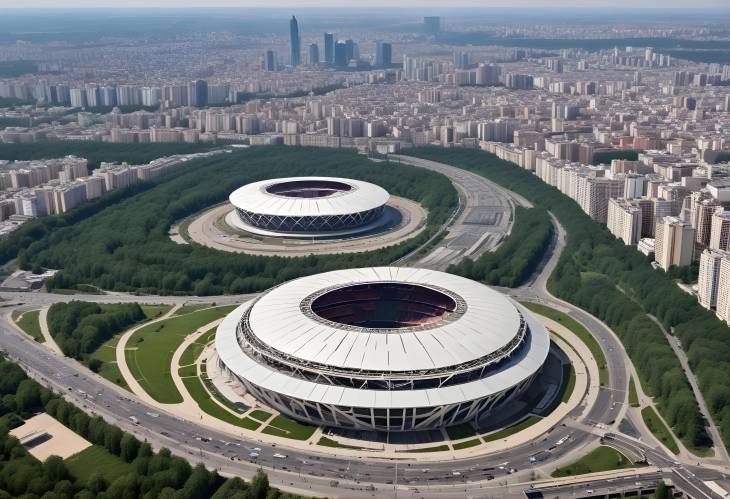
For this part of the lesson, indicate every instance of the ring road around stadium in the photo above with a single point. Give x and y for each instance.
(382, 349)
(308, 207)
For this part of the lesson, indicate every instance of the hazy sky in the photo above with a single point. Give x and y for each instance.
(432, 4)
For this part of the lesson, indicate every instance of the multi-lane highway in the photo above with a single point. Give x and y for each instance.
(485, 218)
(502, 474)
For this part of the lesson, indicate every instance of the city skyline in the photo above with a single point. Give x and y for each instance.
(443, 251)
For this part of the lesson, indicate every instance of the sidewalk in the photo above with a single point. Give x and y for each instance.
(43, 322)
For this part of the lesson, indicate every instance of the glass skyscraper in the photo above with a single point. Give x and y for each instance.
(296, 52)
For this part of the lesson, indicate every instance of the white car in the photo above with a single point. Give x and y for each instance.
(280, 456)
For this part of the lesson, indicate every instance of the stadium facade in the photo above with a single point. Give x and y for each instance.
(308, 207)
(382, 349)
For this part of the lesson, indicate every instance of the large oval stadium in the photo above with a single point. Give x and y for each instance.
(308, 207)
(383, 349)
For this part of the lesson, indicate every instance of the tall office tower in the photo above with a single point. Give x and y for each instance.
(350, 49)
(720, 229)
(329, 48)
(197, 93)
(201, 93)
(313, 54)
(383, 54)
(624, 220)
(270, 61)
(432, 25)
(673, 243)
(707, 283)
(341, 54)
(296, 50)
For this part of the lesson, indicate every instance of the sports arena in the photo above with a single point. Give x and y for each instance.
(383, 348)
(308, 207)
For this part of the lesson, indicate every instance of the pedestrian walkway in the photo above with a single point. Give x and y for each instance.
(43, 322)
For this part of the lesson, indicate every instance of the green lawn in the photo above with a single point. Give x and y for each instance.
(193, 351)
(187, 309)
(106, 353)
(288, 428)
(155, 311)
(469, 443)
(511, 430)
(186, 371)
(659, 429)
(700, 451)
(196, 389)
(568, 391)
(459, 431)
(633, 396)
(601, 459)
(259, 415)
(150, 349)
(30, 324)
(579, 330)
(328, 442)
(96, 459)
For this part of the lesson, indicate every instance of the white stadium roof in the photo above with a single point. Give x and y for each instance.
(490, 322)
(361, 197)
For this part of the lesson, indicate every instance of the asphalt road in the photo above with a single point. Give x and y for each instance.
(486, 216)
(318, 473)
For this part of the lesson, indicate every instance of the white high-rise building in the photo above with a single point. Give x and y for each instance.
(720, 231)
(723, 291)
(594, 198)
(673, 243)
(707, 284)
(634, 185)
(624, 220)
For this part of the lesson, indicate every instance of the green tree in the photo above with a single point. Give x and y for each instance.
(662, 491)
(129, 447)
(96, 483)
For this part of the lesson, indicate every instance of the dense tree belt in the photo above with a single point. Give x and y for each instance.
(80, 327)
(517, 257)
(121, 243)
(151, 476)
(96, 152)
(616, 283)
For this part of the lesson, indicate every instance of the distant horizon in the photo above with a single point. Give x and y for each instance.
(433, 6)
